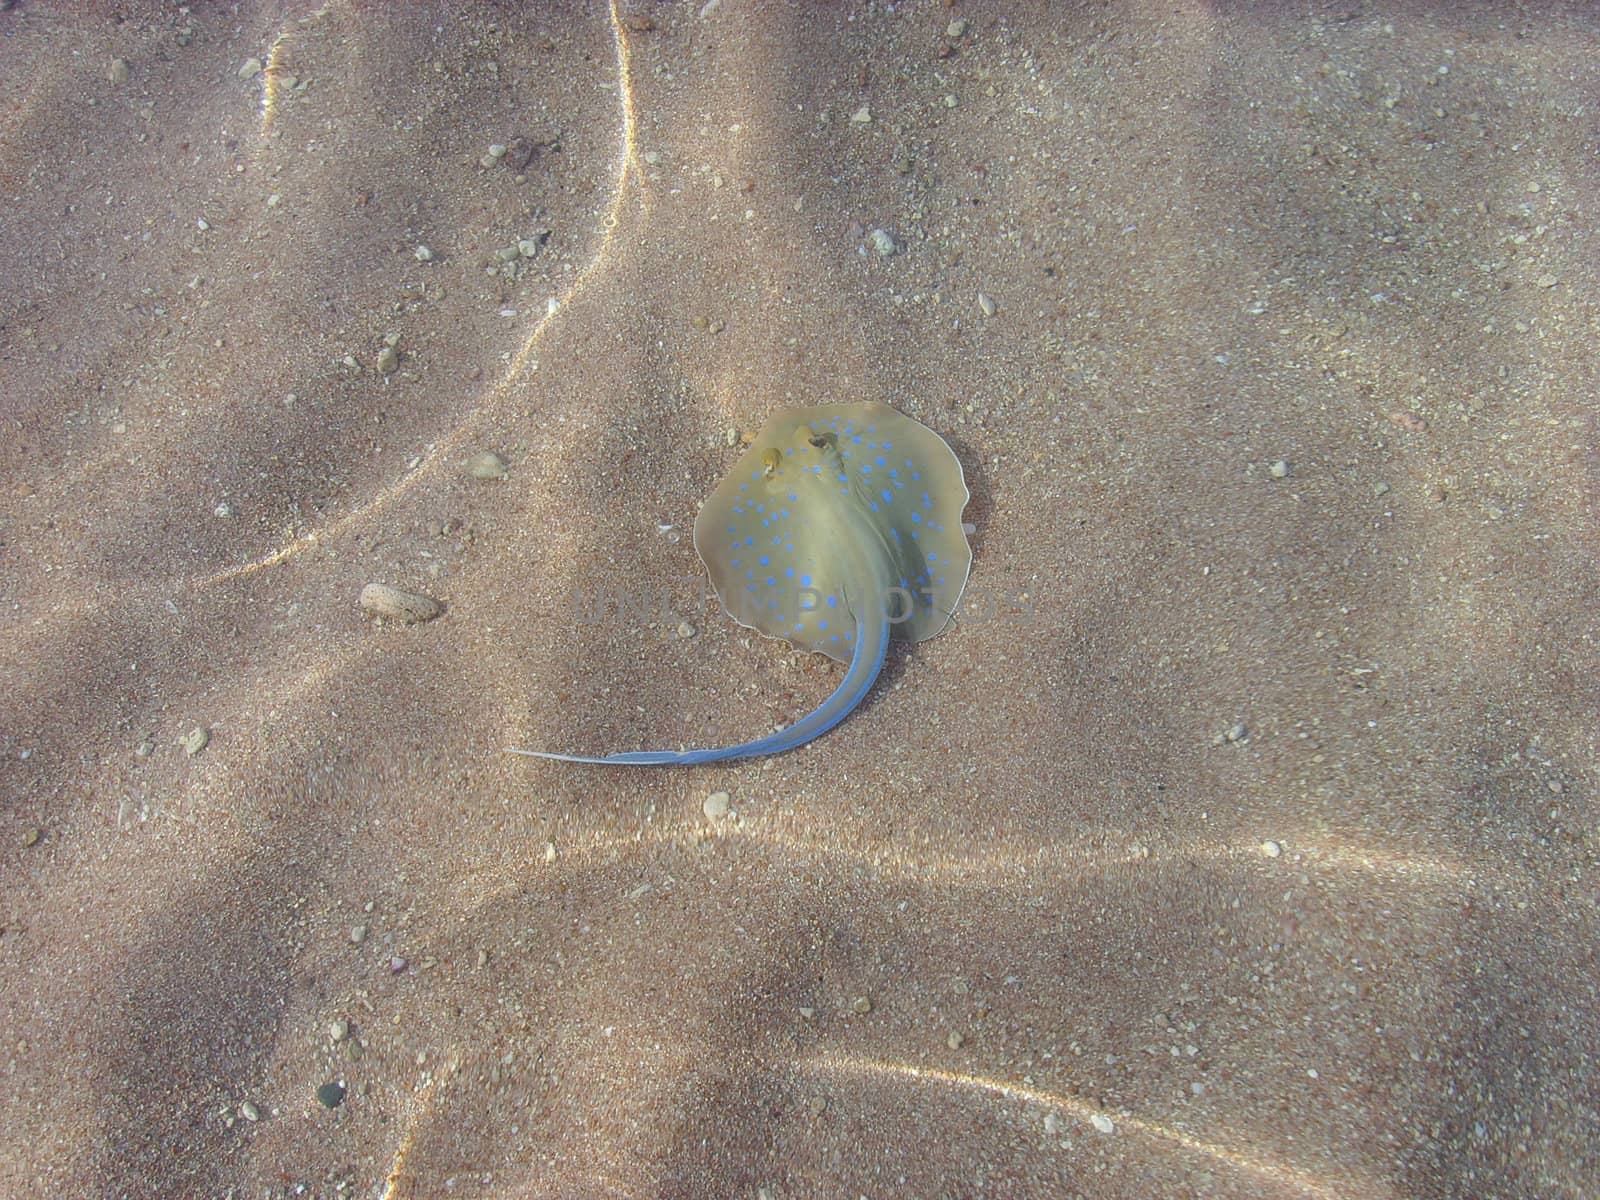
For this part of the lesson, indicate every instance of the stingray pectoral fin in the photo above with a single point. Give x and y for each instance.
(872, 643)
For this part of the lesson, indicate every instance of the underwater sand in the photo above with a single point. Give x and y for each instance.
(1239, 841)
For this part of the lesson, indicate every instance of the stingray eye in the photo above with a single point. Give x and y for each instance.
(821, 440)
(770, 459)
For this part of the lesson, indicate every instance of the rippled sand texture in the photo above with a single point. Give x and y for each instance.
(1240, 842)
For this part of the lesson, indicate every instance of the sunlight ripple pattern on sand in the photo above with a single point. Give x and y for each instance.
(522, 361)
(1293, 1180)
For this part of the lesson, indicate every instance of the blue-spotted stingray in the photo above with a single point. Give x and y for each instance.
(838, 529)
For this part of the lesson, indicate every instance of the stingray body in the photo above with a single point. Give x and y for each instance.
(839, 528)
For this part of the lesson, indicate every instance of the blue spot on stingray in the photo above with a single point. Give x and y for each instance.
(833, 602)
(882, 462)
(856, 439)
(805, 581)
(932, 558)
(867, 469)
(749, 541)
(888, 496)
(916, 518)
(873, 506)
(822, 624)
(765, 561)
(788, 572)
(771, 582)
(927, 501)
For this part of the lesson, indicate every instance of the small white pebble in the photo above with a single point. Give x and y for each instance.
(1102, 1123)
(391, 603)
(1279, 469)
(487, 465)
(1271, 849)
(716, 806)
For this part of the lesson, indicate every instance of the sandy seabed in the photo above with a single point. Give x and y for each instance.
(1242, 842)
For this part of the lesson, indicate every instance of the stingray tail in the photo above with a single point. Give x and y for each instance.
(872, 643)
